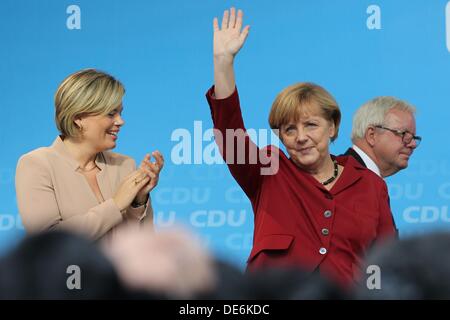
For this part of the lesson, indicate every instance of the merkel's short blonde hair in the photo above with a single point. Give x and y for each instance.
(83, 93)
(297, 100)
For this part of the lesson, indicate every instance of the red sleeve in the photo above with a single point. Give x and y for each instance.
(243, 157)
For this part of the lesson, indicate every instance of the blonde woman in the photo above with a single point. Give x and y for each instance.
(77, 183)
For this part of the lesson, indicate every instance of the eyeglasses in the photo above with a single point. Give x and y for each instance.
(406, 135)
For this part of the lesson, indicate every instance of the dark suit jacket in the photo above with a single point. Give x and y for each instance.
(354, 154)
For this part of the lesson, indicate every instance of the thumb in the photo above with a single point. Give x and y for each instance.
(244, 34)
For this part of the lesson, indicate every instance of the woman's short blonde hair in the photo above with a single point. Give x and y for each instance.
(83, 93)
(297, 100)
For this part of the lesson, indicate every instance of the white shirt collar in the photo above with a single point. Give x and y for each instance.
(367, 160)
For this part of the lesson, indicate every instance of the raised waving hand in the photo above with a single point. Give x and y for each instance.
(228, 40)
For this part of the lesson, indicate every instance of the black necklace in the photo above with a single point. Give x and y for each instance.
(334, 175)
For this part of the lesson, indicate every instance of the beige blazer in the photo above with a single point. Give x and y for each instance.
(53, 194)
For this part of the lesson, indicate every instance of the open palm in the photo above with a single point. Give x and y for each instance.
(229, 39)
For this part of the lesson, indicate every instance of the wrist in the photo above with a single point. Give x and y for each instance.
(223, 61)
(120, 206)
(139, 201)
(141, 197)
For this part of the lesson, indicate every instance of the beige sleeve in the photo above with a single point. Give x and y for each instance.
(38, 207)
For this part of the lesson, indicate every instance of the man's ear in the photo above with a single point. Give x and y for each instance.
(370, 136)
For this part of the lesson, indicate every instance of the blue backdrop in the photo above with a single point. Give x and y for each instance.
(162, 52)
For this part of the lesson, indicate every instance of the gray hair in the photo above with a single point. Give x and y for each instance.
(373, 113)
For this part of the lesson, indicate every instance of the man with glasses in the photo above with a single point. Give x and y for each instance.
(384, 135)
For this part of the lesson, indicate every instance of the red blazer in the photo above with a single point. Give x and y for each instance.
(297, 220)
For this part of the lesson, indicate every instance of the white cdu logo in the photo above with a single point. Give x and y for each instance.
(447, 24)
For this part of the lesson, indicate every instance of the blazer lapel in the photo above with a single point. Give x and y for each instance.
(351, 152)
(349, 176)
(103, 179)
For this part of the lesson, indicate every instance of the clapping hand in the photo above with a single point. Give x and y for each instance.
(140, 182)
(152, 169)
